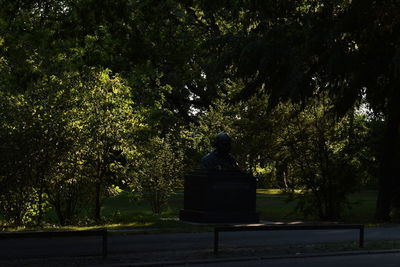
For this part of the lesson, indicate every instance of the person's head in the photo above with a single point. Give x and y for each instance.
(222, 143)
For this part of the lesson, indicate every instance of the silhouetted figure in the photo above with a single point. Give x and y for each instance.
(220, 158)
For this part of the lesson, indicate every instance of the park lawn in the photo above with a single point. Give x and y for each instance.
(272, 204)
(126, 211)
(362, 207)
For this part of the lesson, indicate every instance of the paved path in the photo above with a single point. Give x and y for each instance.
(146, 243)
(366, 260)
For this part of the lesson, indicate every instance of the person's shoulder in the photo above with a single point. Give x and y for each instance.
(209, 156)
(209, 159)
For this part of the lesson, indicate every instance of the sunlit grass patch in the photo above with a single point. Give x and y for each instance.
(269, 191)
(275, 191)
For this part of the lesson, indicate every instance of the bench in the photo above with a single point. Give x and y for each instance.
(47, 234)
(240, 228)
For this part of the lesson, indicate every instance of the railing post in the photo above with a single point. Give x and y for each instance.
(216, 240)
(361, 236)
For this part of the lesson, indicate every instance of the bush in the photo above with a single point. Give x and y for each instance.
(158, 170)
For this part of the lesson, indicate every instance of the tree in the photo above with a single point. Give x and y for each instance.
(157, 171)
(287, 49)
(104, 119)
(321, 159)
(33, 140)
(18, 197)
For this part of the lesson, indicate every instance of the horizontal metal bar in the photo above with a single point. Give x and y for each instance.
(287, 227)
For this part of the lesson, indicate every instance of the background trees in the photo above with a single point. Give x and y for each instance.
(95, 94)
(289, 49)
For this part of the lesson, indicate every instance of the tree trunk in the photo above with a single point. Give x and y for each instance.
(387, 174)
(58, 208)
(281, 175)
(40, 201)
(97, 202)
(99, 179)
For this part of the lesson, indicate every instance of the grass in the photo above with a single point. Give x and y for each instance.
(125, 211)
(273, 205)
(362, 207)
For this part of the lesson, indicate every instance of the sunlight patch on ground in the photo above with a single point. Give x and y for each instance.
(269, 191)
(113, 226)
(83, 228)
(274, 191)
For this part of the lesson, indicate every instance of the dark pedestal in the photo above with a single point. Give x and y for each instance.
(219, 197)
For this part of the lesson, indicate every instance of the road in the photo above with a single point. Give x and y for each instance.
(365, 260)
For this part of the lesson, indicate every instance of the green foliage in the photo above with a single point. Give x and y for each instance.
(19, 205)
(157, 171)
(294, 147)
(131, 92)
(66, 137)
(348, 49)
(318, 161)
(101, 122)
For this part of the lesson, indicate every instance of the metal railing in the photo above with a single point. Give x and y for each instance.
(47, 234)
(240, 228)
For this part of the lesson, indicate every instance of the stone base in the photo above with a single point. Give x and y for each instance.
(218, 217)
(219, 197)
